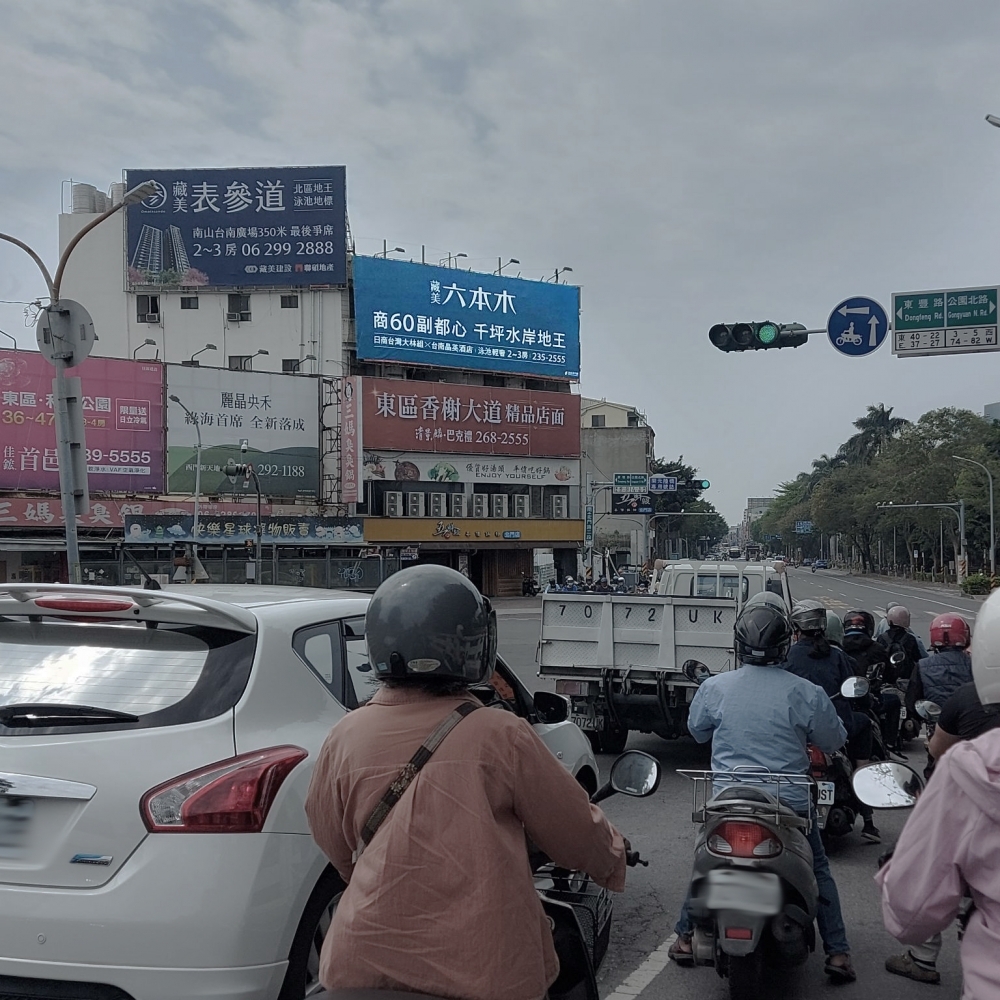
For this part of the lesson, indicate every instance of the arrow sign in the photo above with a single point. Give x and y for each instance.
(847, 335)
(859, 310)
(873, 332)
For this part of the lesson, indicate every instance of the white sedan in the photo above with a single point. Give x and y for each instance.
(155, 751)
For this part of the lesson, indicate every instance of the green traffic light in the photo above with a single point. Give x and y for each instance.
(767, 333)
(704, 484)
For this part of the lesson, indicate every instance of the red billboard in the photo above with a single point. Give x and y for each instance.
(468, 419)
(123, 411)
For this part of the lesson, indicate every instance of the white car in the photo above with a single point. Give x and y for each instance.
(155, 751)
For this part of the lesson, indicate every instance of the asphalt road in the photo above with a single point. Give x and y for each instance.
(660, 827)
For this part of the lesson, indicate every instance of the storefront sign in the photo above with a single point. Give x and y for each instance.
(350, 440)
(123, 411)
(276, 415)
(406, 467)
(424, 315)
(468, 419)
(242, 228)
(462, 531)
(275, 529)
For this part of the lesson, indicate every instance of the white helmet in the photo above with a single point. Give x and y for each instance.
(985, 651)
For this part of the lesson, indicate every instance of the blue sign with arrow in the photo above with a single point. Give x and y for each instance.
(857, 326)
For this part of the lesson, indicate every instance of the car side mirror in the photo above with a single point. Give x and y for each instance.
(887, 785)
(929, 711)
(695, 671)
(855, 687)
(635, 773)
(550, 708)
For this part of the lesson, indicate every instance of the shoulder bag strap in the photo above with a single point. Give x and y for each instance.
(395, 791)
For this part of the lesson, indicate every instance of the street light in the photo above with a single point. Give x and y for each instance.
(561, 270)
(972, 461)
(193, 362)
(386, 251)
(249, 361)
(193, 419)
(993, 120)
(10, 338)
(148, 342)
(447, 261)
(71, 490)
(957, 508)
(299, 364)
(501, 266)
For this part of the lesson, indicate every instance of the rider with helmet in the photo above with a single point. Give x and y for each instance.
(949, 666)
(866, 653)
(898, 637)
(950, 845)
(763, 716)
(450, 857)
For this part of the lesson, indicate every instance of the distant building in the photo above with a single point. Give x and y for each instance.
(991, 411)
(756, 508)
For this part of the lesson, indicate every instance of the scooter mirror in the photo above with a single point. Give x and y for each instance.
(929, 711)
(855, 687)
(635, 773)
(887, 785)
(695, 671)
(897, 658)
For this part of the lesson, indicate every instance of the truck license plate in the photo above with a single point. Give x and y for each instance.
(585, 721)
(827, 791)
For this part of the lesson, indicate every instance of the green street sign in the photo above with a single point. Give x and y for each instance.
(918, 311)
(631, 482)
(945, 321)
(977, 307)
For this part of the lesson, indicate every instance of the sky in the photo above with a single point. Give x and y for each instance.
(693, 162)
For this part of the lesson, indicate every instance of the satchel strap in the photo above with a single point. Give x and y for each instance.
(395, 791)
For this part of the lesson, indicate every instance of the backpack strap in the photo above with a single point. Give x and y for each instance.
(405, 777)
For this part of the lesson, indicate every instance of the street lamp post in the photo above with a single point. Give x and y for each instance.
(72, 484)
(299, 364)
(10, 338)
(386, 251)
(561, 270)
(993, 543)
(957, 508)
(193, 418)
(249, 360)
(447, 261)
(501, 265)
(148, 342)
(193, 362)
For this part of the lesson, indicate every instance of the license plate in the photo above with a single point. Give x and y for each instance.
(822, 814)
(15, 819)
(827, 791)
(748, 892)
(585, 721)
(902, 714)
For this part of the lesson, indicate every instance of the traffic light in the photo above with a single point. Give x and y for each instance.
(757, 336)
(702, 484)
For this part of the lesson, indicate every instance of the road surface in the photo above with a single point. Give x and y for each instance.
(660, 827)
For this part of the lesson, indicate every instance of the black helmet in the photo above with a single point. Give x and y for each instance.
(809, 616)
(429, 621)
(763, 635)
(860, 621)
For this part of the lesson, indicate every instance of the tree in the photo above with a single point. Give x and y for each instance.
(875, 430)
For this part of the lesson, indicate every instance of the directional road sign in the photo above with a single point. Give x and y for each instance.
(630, 494)
(631, 482)
(857, 326)
(662, 484)
(946, 321)
(803, 527)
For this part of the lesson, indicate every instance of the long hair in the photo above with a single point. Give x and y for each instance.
(820, 645)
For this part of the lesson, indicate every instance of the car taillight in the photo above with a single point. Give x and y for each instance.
(739, 933)
(743, 840)
(85, 605)
(229, 796)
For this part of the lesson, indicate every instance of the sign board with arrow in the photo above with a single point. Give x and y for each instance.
(946, 321)
(857, 326)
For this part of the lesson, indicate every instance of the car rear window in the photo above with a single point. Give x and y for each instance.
(165, 676)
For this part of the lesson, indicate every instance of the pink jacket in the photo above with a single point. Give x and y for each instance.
(442, 900)
(952, 841)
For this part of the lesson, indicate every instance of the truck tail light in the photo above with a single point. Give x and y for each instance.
(743, 839)
(229, 796)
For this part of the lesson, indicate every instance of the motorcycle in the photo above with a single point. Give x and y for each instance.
(578, 911)
(529, 587)
(836, 806)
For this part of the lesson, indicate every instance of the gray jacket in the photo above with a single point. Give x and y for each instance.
(942, 674)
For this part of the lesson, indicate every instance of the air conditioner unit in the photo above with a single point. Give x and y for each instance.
(457, 502)
(522, 506)
(439, 505)
(152, 317)
(414, 504)
(498, 505)
(393, 505)
(560, 507)
(232, 317)
(244, 317)
(479, 505)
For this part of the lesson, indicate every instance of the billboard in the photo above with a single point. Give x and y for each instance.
(238, 530)
(423, 315)
(123, 411)
(630, 494)
(350, 440)
(241, 227)
(468, 419)
(276, 416)
(410, 467)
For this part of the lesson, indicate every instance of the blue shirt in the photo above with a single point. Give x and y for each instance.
(764, 717)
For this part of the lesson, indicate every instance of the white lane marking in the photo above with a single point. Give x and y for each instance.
(913, 597)
(654, 964)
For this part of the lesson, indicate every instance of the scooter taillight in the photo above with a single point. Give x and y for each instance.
(817, 762)
(743, 839)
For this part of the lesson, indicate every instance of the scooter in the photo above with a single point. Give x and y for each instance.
(836, 806)
(529, 586)
(578, 911)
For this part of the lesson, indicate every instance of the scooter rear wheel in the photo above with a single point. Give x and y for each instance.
(745, 976)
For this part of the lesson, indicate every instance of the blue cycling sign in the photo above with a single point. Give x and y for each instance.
(857, 326)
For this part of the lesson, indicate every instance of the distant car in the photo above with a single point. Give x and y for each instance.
(821, 564)
(807, 562)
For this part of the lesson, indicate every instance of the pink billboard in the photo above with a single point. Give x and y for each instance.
(123, 411)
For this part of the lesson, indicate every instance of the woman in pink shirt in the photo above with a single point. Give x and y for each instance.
(441, 900)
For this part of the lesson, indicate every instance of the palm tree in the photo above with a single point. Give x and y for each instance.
(821, 468)
(875, 430)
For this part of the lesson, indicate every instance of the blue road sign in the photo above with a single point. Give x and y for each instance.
(662, 484)
(857, 326)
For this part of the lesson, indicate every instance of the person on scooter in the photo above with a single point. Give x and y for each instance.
(883, 626)
(897, 638)
(950, 845)
(448, 868)
(859, 645)
(763, 716)
(948, 667)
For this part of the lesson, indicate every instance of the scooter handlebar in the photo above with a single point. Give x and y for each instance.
(632, 859)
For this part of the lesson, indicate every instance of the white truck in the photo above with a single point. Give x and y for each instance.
(618, 657)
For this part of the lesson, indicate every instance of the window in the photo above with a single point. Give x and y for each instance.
(189, 302)
(238, 310)
(288, 302)
(319, 648)
(146, 306)
(361, 680)
(597, 420)
(238, 362)
(290, 364)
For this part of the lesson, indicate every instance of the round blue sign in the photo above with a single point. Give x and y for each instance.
(857, 326)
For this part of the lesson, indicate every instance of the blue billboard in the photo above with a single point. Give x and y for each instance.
(239, 228)
(423, 315)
